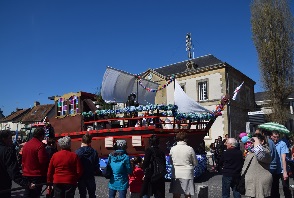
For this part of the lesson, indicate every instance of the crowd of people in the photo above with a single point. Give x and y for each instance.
(261, 159)
(63, 171)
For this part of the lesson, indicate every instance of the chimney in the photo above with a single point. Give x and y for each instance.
(36, 103)
(18, 109)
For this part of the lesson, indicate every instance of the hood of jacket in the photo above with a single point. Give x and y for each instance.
(85, 151)
(118, 156)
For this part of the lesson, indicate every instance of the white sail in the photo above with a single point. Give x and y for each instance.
(118, 85)
(185, 103)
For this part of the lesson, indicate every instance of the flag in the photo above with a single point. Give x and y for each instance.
(237, 91)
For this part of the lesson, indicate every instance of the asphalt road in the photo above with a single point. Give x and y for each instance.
(211, 179)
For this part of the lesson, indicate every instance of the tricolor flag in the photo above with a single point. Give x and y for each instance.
(237, 91)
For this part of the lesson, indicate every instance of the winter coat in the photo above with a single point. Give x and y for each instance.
(90, 161)
(184, 160)
(258, 179)
(35, 159)
(64, 168)
(136, 180)
(121, 168)
(9, 168)
(158, 187)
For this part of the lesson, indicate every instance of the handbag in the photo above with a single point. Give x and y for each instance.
(241, 184)
(108, 170)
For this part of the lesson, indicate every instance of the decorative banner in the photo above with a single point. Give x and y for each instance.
(220, 107)
(172, 78)
(237, 91)
(168, 110)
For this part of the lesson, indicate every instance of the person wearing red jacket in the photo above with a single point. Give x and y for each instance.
(64, 170)
(136, 178)
(35, 163)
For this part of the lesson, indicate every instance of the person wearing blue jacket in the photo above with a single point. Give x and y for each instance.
(121, 167)
(90, 162)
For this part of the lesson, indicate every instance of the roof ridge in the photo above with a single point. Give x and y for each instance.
(184, 61)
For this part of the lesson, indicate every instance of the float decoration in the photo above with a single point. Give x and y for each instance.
(168, 110)
(170, 80)
(221, 106)
(246, 139)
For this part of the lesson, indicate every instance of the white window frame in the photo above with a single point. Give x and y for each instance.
(202, 88)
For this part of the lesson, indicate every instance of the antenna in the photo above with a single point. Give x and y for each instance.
(189, 48)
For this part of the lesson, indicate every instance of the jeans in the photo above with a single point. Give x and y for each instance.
(227, 183)
(275, 186)
(36, 192)
(64, 190)
(121, 193)
(87, 184)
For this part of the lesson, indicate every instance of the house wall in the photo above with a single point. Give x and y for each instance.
(235, 115)
(12, 126)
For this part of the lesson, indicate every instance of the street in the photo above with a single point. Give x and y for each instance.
(211, 179)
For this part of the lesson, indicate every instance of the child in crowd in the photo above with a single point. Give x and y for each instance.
(136, 178)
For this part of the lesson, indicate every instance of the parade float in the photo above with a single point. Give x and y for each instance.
(134, 117)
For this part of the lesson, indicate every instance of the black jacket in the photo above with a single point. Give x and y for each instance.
(232, 162)
(90, 161)
(148, 188)
(9, 168)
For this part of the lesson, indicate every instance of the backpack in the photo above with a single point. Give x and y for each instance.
(158, 166)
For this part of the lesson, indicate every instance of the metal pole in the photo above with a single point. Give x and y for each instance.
(229, 104)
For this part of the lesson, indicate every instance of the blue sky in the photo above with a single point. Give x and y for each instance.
(59, 46)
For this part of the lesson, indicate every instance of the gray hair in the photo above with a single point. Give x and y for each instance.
(65, 142)
(233, 142)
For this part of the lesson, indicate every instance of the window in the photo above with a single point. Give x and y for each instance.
(202, 91)
(291, 107)
(61, 107)
(73, 105)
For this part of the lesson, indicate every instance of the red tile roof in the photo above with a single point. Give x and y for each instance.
(38, 113)
(16, 116)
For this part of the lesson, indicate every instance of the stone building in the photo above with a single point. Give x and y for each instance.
(207, 79)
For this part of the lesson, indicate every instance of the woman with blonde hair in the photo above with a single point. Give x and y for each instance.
(183, 159)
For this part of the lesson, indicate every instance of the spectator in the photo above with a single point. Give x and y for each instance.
(136, 178)
(51, 147)
(225, 141)
(212, 151)
(35, 163)
(184, 161)
(258, 179)
(121, 168)
(149, 187)
(90, 163)
(219, 149)
(281, 173)
(275, 162)
(232, 162)
(64, 170)
(9, 168)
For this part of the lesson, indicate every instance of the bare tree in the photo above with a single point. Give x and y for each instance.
(272, 28)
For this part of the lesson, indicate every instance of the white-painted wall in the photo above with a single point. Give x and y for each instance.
(11, 126)
(215, 92)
